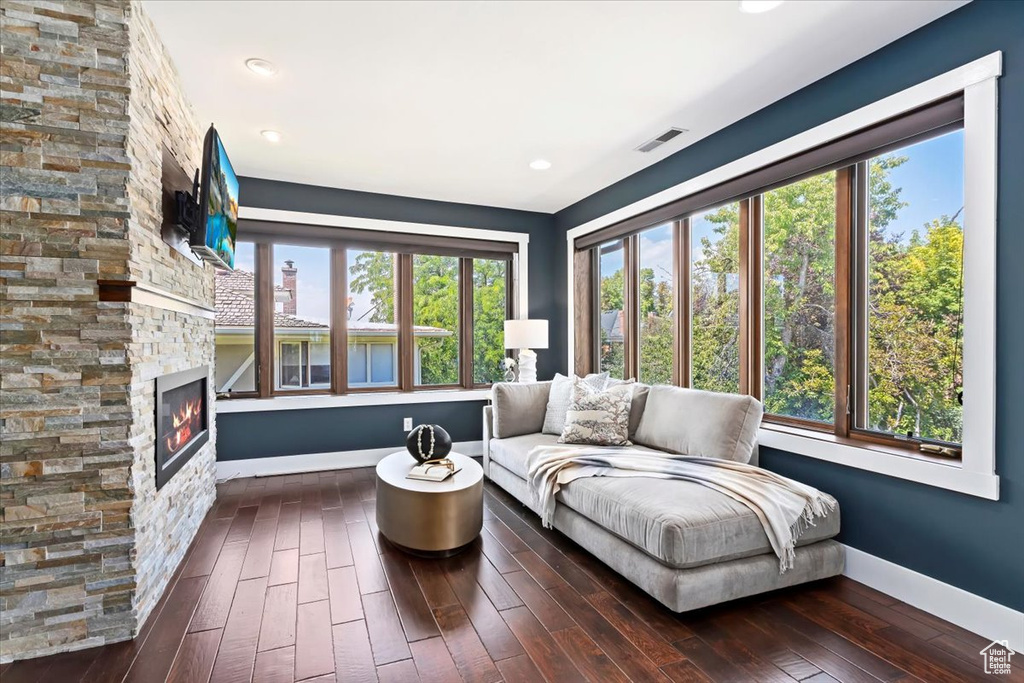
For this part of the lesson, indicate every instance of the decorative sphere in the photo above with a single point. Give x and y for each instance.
(442, 443)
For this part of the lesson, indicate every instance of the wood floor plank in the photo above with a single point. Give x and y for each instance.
(819, 656)
(893, 644)
(241, 524)
(474, 563)
(387, 640)
(685, 672)
(260, 552)
(279, 613)
(588, 657)
(242, 608)
(205, 556)
(645, 638)
(544, 650)
(284, 567)
(433, 661)
(497, 554)
(738, 652)
(398, 672)
(468, 652)
(213, 608)
(194, 660)
(497, 528)
(311, 536)
(494, 633)
(343, 589)
(270, 506)
(563, 566)
(313, 578)
(330, 496)
(716, 667)
(433, 584)
(275, 666)
(367, 562)
(353, 658)
(237, 649)
(519, 668)
(876, 666)
(339, 553)
(352, 504)
(417, 619)
(769, 648)
(314, 640)
(288, 527)
(539, 570)
(549, 612)
(656, 615)
(634, 663)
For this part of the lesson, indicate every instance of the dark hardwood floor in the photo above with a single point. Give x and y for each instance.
(289, 580)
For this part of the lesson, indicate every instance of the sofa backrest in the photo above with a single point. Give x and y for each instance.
(519, 408)
(700, 423)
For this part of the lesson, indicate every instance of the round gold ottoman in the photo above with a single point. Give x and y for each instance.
(429, 517)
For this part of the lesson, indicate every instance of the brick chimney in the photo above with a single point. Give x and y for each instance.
(288, 272)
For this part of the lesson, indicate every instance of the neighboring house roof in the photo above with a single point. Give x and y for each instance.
(237, 309)
(611, 326)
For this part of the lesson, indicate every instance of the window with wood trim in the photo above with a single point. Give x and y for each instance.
(316, 315)
(829, 286)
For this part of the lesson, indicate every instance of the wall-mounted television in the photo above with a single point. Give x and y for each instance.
(213, 238)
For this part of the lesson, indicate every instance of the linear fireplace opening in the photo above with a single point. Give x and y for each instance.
(182, 420)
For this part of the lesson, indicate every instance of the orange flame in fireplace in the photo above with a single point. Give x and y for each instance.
(184, 422)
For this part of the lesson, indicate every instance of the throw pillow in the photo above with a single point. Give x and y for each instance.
(558, 400)
(598, 417)
(639, 403)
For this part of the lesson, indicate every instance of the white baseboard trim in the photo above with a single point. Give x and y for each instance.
(318, 462)
(967, 610)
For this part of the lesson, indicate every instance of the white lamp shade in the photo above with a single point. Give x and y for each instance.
(526, 334)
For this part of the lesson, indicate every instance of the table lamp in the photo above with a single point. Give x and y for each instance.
(526, 335)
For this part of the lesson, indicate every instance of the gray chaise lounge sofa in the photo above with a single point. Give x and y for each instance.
(686, 545)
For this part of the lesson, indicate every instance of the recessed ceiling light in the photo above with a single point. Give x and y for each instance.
(758, 6)
(540, 164)
(261, 67)
(271, 135)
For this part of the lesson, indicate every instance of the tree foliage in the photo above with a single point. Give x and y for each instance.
(436, 305)
(914, 300)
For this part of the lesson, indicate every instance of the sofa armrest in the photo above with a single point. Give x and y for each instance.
(488, 432)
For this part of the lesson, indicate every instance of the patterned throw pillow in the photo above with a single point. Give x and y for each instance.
(558, 399)
(598, 417)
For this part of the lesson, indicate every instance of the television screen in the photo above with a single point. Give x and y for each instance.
(215, 239)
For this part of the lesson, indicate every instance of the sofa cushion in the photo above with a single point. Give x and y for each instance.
(519, 408)
(596, 417)
(700, 423)
(561, 394)
(680, 523)
(512, 453)
(636, 410)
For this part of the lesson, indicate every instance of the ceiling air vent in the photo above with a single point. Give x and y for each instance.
(669, 134)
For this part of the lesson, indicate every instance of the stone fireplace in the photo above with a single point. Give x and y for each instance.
(111, 334)
(182, 420)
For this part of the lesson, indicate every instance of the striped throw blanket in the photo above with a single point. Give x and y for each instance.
(785, 508)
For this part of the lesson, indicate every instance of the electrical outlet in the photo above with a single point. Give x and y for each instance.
(407, 424)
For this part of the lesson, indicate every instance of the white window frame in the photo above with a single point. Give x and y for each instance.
(978, 80)
(369, 365)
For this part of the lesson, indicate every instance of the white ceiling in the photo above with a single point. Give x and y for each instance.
(452, 100)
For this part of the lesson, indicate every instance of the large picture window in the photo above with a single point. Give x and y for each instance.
(830, 287)
(365, 313)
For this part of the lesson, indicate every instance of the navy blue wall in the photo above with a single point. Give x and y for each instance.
(971, 543)
(291, 432)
